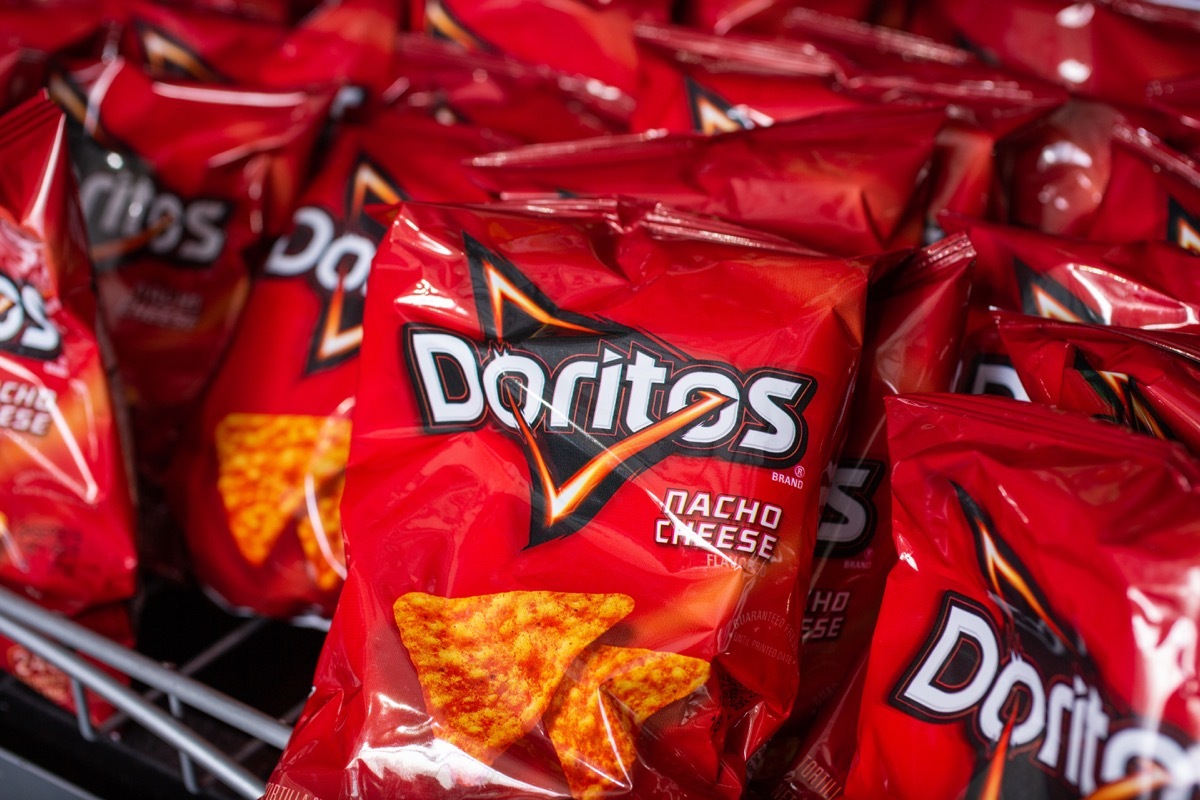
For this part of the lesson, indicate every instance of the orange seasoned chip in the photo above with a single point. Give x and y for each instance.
(606, 695)
(320, 533)
(488, 666)
(263, 461)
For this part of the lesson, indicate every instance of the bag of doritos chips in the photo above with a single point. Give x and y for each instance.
(914, 327)
(1144, 285)
(831, 182)
(1138, 285)
(570, 36)
(341, 43)
(1148, 381)
(262, 485)
(177, 212)
(66, 517)
(1037, 635)
(532, 103)
(913, 334)
(700, 82)
(582, 498)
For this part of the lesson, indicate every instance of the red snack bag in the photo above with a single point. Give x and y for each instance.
(828, 181)
(914, 327)
(1138, 285)
(262, 496)
(693, 81)
(1036, 549)
(706, 83)
(617, 509)
(567, 35)
(1142, 285)
(532, 103)
(342, 43)
(984, 103)
(1146, 381)
(175, 211)
(1073, 43)
(66, 519)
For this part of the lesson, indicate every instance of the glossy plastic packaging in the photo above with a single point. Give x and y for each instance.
(829, 182)
(545, 420)
(263, 479)
(1038, 550)
(1147, 381)
(530, 102)
(66, 516)
(178, 213)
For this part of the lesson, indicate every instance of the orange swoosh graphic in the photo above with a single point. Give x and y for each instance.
(441, 21)
(995, 776)
(5, 305)
(1134, 786)
(1122, 386)
(366, 177)
(334, 340)
(566, 498)
(998, 566)
(1051, 308)
(1188, 237)
(501, 288)
(163, 53)
(123, 247)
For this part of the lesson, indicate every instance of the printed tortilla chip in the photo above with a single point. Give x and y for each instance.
(320, 534)
(606, 695)
(263, 461)
(488, 666)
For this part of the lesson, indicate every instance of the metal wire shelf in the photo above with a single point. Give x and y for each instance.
(177, 712)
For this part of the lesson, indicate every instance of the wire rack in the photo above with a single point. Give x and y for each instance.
(204, 709)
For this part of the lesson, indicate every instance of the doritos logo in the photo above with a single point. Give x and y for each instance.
(1029, 696)
(128, 213)
(592, 402)
(1042, 296)
(712, 113)
(336, 258)
(1120, 393)
(1182, 228)
(167, 57)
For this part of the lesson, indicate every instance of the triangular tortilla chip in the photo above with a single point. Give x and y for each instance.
(606, 695)
(488, 666)
(262, 462)
(321, 535)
